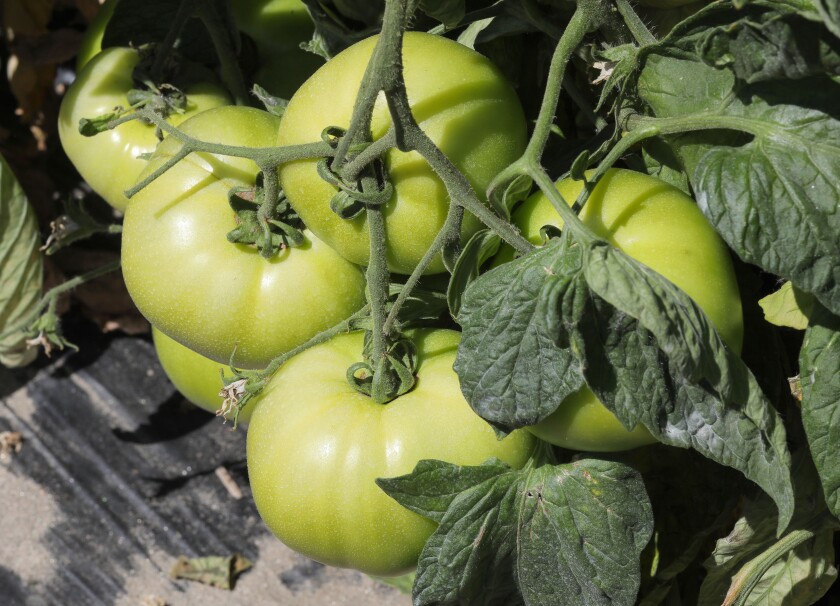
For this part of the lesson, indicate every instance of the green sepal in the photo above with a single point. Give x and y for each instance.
(268, 235)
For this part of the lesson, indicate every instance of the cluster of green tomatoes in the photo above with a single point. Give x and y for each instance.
(316, 445)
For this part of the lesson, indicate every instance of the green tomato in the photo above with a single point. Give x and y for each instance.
(92, 42)
(461, 101)
(279, 27)
(196, 377)
(215, 297)
(110, 161)
(316, 446)
(659, 225)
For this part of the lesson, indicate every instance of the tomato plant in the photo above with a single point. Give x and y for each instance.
(316, 447)
(475, 119)
(196, 377)
(111, 162)
(250, 235)
(225, 300)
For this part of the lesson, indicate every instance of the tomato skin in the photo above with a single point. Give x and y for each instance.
(315, 447)
(659, 225)
(196, 377)
(459, 98)
(109, 161)
(209, 294)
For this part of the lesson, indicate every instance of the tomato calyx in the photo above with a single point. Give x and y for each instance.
(238, 390)
(270, 227)
(389, 377)
(162, 94)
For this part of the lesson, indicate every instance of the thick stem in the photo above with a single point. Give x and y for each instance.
(384, 68)
(377, 282)
(271, 191)
(461, 192)
(262, 156)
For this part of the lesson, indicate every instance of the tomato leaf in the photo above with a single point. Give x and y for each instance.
(807, 570)
(218, 571)
(694, 500)
(652, 357)
(20, 268)
(511, 372)
(448, 12)
(819, 363)
(433, 485)
(480, 247)
(138, 22)
(830, 13)
(772, 46)
(788, 306)
(565, 534)
(773, 197)
(682, 330)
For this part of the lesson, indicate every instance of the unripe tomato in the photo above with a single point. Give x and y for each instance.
(659, 225)
(461, 101)
(196, 377)
(278, 27)
(213, 296)
(316, 446)
(109, 161)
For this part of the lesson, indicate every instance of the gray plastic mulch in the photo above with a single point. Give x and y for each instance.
(117, 478)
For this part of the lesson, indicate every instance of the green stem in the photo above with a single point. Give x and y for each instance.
(353, 168)
(262, 156)
(461, 192)
(576, 29)
(50, 298)
(636, 26)
(699, 122)
(377, 283)
(383, 69)
(570, 220)
(271, 191)
(450, 231)
(619, 149)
